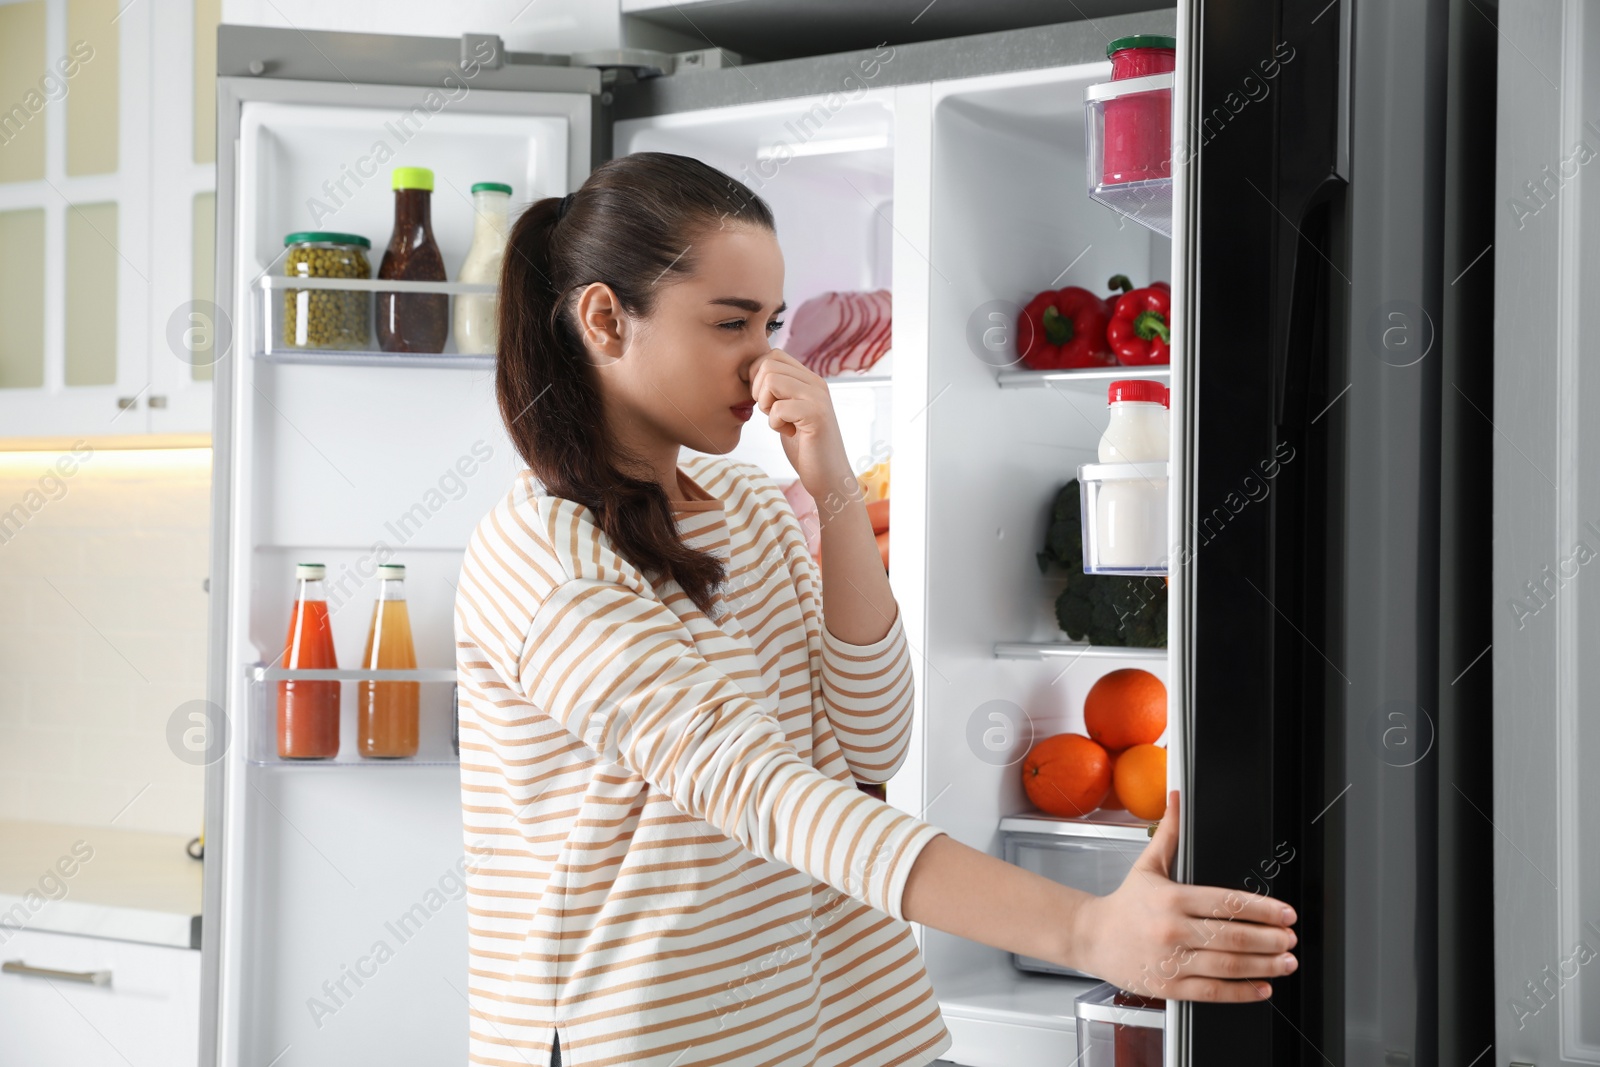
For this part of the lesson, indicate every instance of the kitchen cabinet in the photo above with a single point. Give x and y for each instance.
(106, 239)
(95, 1002)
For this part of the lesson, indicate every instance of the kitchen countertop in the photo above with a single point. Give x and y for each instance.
(99, 881)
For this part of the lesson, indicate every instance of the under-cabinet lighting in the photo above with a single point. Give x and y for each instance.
(822, 146)
(128, 442)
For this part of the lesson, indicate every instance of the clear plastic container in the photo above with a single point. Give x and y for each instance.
(1128, 124)
(1093, 855)
(1119, 1029)
(333, 319)
(1124, 514)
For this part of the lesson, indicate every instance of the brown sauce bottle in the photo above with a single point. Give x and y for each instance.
(413, 322)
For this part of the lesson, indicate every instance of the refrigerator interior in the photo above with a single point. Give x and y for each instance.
(976, 197)
(345, 922)
(1009, 218)
(829, 181)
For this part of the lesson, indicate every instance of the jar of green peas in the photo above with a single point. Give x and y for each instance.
(327, 318)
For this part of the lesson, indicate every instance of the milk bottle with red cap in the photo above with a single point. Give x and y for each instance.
(1130, 510)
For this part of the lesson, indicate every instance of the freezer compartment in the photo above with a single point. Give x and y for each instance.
(1129, 128)
(432, 686)
(332, 320)
(1093, 854)
(1118, 1029)
(1124, 509)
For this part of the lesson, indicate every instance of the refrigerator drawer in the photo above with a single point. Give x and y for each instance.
(1117, 1029)
(1094, 856)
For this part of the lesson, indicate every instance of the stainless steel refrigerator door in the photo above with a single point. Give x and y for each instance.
(1546, 537)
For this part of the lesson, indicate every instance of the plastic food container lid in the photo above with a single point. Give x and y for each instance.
(491, 187)
(391, 571)
(412, 178)
(310, 572)
(1137, 389)
(310, 236)
(1141, 40)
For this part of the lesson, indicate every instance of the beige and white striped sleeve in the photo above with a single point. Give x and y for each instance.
(621, 671)
(868, 696)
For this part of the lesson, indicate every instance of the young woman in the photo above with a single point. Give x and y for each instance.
(662, 727)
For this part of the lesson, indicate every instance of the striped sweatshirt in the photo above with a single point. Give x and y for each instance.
(670, 863)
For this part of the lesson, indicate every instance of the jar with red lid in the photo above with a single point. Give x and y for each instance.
(1138, 126)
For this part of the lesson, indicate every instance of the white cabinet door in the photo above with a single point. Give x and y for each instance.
(146, 1015)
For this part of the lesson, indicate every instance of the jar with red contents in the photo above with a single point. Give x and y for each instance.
(1138, 126)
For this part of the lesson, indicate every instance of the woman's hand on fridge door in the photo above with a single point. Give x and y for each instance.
(799, 406)
(1161, 938)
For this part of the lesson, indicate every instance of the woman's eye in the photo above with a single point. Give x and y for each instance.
(774, 326)
(732, 324)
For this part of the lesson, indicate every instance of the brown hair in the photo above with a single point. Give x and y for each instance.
(631, 224)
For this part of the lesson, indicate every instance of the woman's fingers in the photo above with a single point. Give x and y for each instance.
(785, 415)
(1239, 965)
(1158, 855)
(1216, 990)
(1213, 902)
(1232, 935)
(776, 382)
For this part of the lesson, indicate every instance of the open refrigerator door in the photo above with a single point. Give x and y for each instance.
(334, 916)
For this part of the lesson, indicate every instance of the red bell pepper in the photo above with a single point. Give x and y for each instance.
(1139, 332)
(1062, 329)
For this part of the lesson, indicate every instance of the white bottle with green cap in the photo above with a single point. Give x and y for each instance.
(475, 312)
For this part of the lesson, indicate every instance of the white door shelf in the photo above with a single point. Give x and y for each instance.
(1111, 825)
(1141, 109)
(1072, 650)
(435, 715)
(1040, 379)
(272, 344)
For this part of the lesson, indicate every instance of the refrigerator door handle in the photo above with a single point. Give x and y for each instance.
(1304, 284)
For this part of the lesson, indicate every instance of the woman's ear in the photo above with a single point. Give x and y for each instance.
(601, 322)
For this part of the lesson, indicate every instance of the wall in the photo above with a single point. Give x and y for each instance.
(102, 636)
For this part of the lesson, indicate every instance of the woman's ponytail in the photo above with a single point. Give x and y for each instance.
(625, 227)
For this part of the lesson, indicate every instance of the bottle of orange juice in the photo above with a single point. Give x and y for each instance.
(387, 712)
(308, 711)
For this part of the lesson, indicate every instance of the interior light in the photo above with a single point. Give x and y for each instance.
(823, 146)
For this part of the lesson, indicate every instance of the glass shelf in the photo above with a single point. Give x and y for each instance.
(435, 726)
(1072, 650)
(1040, 379)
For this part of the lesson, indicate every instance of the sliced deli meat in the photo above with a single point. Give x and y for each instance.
(838, 332)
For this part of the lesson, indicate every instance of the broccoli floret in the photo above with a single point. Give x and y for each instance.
(1103, 609)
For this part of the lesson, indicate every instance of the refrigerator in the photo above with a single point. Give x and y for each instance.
(1306, 230)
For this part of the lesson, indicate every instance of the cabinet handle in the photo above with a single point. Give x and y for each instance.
(156, 402)
(126, 402)
(89, 977)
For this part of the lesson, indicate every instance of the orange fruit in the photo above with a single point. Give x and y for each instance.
(1126, 708)
(1140, 781)
(1066, 775)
